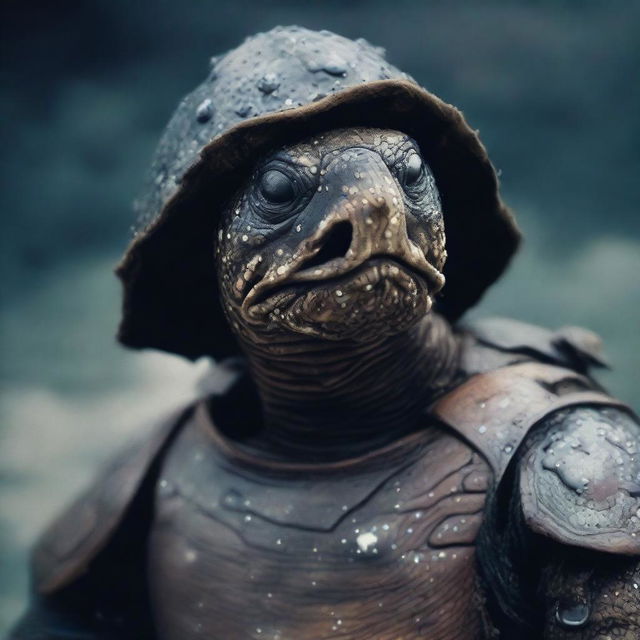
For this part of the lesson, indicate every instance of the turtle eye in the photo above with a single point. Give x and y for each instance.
(413, 170)
(276, 187)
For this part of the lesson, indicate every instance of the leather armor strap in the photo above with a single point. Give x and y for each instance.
(494, 411)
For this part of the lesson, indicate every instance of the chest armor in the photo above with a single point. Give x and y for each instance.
(379, 547)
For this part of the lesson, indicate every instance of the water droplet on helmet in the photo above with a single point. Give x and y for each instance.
(268, 83)
(204, 112)
(244, 110)
(335, 69)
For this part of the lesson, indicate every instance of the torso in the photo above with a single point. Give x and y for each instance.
(380, 547)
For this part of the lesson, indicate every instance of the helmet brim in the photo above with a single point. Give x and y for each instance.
(171, 299)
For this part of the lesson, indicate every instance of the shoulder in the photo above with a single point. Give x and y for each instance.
(495, 337)
(579, 479)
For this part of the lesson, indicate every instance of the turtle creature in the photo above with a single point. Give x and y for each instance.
(361, 464)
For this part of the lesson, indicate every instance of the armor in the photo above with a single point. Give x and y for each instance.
(393, 474)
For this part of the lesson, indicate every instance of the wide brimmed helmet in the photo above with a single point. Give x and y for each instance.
(274, 89)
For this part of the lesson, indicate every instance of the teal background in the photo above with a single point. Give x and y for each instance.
(86, 90)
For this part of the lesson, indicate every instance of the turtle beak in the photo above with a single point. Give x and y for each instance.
(359, 230)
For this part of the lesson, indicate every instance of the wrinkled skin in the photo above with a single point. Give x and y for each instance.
(329, 259)
(338, 237)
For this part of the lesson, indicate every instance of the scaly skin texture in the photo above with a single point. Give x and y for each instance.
(591, 598)
(328, 262)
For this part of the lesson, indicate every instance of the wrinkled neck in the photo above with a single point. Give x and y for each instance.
(327, 400)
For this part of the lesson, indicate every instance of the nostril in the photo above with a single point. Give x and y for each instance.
(335, 244)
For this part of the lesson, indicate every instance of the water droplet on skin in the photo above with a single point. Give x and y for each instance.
(572, 615)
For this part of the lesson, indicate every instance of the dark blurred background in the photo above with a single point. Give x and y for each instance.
(87, 87)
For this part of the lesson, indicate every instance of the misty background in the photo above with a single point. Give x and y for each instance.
(87, 87)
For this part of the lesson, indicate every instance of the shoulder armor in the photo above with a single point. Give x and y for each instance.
(83, 530)
(580, 480)
(495, 410)
(77, 536)
(574, 347)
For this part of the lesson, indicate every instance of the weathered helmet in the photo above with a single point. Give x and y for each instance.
(276, 88)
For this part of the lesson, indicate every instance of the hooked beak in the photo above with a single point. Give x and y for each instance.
(355, 233)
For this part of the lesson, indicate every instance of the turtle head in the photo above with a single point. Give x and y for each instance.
(340, 237)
